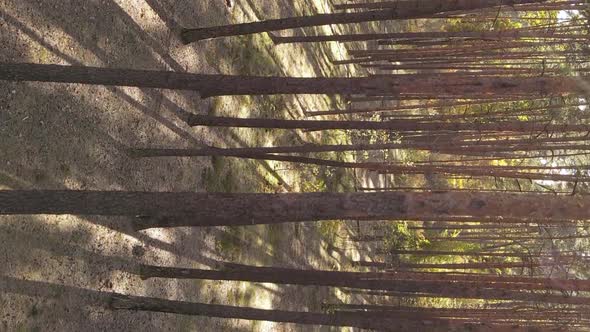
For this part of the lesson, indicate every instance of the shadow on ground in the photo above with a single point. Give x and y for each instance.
(56, 136)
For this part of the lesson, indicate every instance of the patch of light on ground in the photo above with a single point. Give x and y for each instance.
(582, 107)
(264, 300)
(565, 15)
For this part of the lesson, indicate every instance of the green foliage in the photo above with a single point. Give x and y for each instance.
(398, 236)
(459, 25)
(329, 230)
(322, 178)
(543, 17)
(458, 246)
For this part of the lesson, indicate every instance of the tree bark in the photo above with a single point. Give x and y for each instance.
(394, 4)
(397, 125)
(506, 35)
(360, 320)
(126, 302)
(483, 290)
(219, 85)
(174, 209)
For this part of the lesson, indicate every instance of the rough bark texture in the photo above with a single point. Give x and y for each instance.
(219, 85)
(167, 209)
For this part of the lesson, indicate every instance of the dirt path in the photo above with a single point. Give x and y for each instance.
(71, 136)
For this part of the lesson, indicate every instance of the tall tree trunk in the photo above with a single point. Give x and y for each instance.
(394, 4)
(442, 145)
(360, 320)
(219, 85)
(401, 125)
(173, 209)
(126, 302)
(358, 280)
(481, 47)
(449, 266)
(505, 35)
(454, 253)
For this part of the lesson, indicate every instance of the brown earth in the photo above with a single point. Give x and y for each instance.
(58, 136)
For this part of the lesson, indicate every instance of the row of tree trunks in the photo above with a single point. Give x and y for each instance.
(404, 10)
(476, 290)
(481, 47)
(268, 153)
(476, 315)
(396, 109)
(115, 301)
(441, 144)
(360, 320)
(384, 168)
(401, 125)
(429, 106)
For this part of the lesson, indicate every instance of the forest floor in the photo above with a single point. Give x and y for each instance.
(57, 136)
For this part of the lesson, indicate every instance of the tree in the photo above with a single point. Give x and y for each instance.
(174, 209)
(397, 125)
(361, 320)
(220, 85)
(475, 289)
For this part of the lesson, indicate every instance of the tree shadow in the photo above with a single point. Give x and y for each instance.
(97, 304)
(157, 97)
(58, 136)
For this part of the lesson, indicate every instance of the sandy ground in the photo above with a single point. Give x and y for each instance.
(56, 136)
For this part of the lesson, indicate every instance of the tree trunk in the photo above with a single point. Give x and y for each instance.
(364, 281)
(125, 302)
(394, 4)
(442, 145)
(360, 320)
(454, 253)
(219, 85)
(506, 35)
(174, 209)
(400, 125)
(449, 266)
